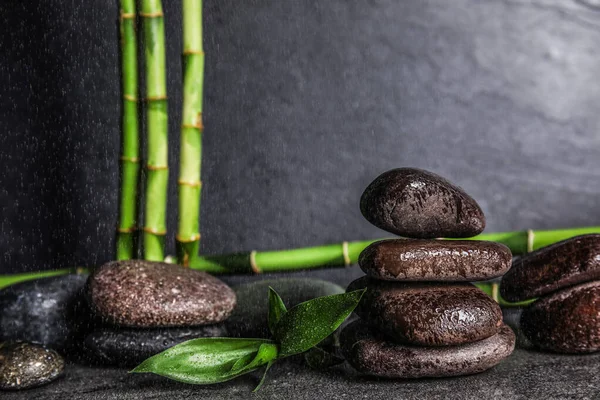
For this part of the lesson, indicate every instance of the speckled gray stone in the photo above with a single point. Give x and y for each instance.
(25, 365)
(371, 353)
(420, 204)
(49, 311)
(552, 268)
(435, 260)
(428, 314)
(567, 321)
(129, 347)
(148, 294)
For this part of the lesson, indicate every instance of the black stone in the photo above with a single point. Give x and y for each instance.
(129, 347)
(419, 204)
(249, 319)
(49, 311)
(26, 365)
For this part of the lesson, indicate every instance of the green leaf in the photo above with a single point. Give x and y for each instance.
(308, 323)
(322, 358)
(277, 309)
(264, 376)
(210, 360)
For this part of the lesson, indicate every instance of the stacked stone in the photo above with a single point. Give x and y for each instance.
(420, 316)
(566, 278)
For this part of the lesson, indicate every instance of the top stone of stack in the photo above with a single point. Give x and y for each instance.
(418, 204)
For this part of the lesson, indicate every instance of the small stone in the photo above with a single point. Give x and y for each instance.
(370, 352)
(148, 294)
(50, 311)
(567, 321)
(428, 314)
(435, 260)
(567, 263)
(129, 347)
(249, 319)
(419, 204)
(25, 365)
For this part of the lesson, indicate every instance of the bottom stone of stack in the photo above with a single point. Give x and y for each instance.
(372, 353)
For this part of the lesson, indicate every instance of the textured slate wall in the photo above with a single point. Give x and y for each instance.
(306, 102)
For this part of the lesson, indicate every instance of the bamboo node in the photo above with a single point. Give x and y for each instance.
(131, 229)
(80, 270)
(154, 231)
(496, 292)
(151, 15)
(130, 159)
(156, 167)
(191, 239)
(129, 97)
(253, 264)
(530, 239)
(156, 98)
(127, 15)
(345, 251)
(197, 184)
(193, 126)
(190, 52)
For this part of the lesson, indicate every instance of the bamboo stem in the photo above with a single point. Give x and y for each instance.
(126, 233)
(190, 184)
(157, 130)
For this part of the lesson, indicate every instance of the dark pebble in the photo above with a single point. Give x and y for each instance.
(567, 321)
(369, 352)
(49, 311)
(25, 365)
(249, 319)
(129, 347)
(148, 294)
(428, 314)
(563, 264)
(419, 204)
(435, 260)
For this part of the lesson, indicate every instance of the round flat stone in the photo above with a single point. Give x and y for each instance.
(50, 311)
(25, 365)
(129, 347)
(567, 321)
(371, 353)
(563, 264)
(435, 260)
(148, 294)
(419, 204)
(428, 314)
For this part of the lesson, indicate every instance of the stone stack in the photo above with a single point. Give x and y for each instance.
(420, 316)
(566, 278)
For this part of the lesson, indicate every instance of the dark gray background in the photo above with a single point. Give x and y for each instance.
(306, 102)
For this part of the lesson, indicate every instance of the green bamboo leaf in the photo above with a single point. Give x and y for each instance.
(210, 360)
(276, 309)
(322, 358)
(264, 376)
(308, 323)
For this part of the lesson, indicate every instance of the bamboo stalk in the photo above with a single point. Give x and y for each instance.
(126, 242)
(190, 184)
(157, 130)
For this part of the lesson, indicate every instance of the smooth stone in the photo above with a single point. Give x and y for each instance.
(435, 260)
(563, 264)
(249, 319)
(129, 347)
(149, 294)
(26, 365)
(419, 204)
(50, 311)
(428, 314)
(567, 321)
(370, 352)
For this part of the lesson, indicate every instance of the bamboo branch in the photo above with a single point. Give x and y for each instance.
(157, 129)
(190, 184)
(126, 233)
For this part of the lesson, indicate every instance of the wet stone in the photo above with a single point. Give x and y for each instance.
(435, 260)
(49, 311)
(371, 353)
(419, 204)
(563, 264)
(567, 321)
(428, 314)
(129, 347)
(25, 365)
(148, 294)
(249, 319)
